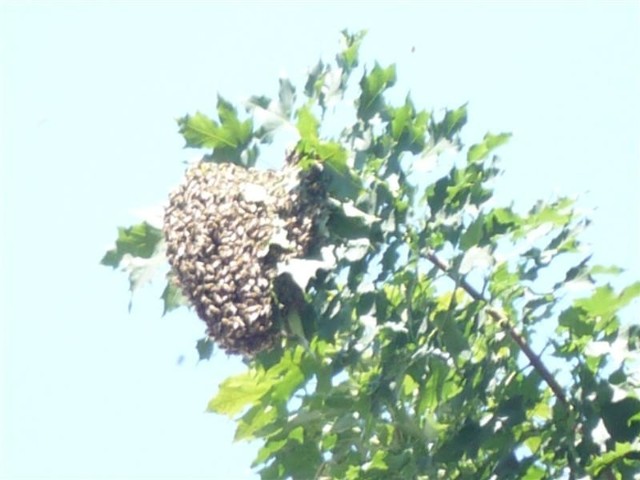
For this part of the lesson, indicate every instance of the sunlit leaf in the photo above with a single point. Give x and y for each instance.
(605, 303)
(450, 125)
(255, 421)
(577, 321)
(606, 270)
(307, 124)
(373, 85)
(618, 454)
(489, 143)
(407, 128)
(402, 119)
(238, 392)
(270, 447)
(377, 462)
(348, 58)
(228, 138)
(200, 131)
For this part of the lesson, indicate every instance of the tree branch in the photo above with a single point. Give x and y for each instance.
(501, 318)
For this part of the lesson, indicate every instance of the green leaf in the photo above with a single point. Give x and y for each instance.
(300, 460)
(307, 125)
(409, 386)
(450, 125)
(256, 421)
(621, 450)
(235, 132)
(489, 143)
(341, 181)
(287, 96)
(270, 447)
(204, 346)
(576, 320)
(407, 128)
(314, 82)
(534, 472)
(605, 303)
(533, 443)
(140, 252)
(348, 58)
(617, 418)
(436, 195)
(142, 270)
(557, 214)
(473, 235)
(454, 341)
(577, 272)
(401, 119)
(295, 326)
(348, 222)
(297, 435)
(301, 270)
(199, 131)
(288, 381)
(172, 297)
(502, 280)
(258, 101)
(603, 270)
(433, 391)
(140, 240)
(334, 156)
(377, 462)
(373, 85)
(228, 139)
(240, 391)
(628, 295)
(270, 116)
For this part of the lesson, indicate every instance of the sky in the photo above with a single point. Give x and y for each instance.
(89, 95)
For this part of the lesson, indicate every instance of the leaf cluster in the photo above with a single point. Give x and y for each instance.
(447, 340)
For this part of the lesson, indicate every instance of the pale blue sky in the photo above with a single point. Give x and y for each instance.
(89, 97)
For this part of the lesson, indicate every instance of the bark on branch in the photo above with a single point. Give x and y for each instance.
(502, 320)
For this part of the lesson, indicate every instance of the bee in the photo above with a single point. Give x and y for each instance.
(252, 314)
(213, 311)
(229, 309)
(200, 269)
(217, 298)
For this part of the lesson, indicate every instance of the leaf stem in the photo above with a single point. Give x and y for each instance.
(502, 319)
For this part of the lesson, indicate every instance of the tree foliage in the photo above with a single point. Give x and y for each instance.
(446, 340)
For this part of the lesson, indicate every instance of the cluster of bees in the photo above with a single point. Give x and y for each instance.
(226, 229)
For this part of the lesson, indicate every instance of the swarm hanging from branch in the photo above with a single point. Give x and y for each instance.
(226, 229)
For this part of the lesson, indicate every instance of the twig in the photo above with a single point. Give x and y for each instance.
(501, 318)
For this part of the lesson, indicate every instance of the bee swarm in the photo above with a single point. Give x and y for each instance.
(226, 228)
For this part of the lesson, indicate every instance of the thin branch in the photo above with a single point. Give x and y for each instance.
(501, 318)
(530, 354)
